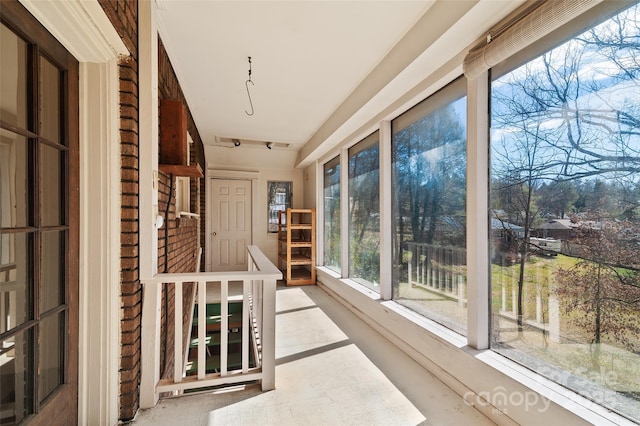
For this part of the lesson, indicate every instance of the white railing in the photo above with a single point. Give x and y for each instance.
(438, 269)
(258, 328)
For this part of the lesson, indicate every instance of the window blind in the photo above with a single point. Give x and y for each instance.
(549, 16)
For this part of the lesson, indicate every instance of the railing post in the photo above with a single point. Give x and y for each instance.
(202, 329)
(150, 345)
(269, 335)
(224, 327)
(177, 327)
(246, 325)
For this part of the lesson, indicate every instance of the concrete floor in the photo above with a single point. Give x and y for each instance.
(331, 369)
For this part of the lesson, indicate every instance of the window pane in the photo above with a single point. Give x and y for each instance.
(51, 267)
(50, 186)
(565, 227)
(364, 212)
(14, 180)
(51, 354)
(15, 280)
(332, 214)
(278, 199)
(13, 78)
(429, 223)
(49, 101)
(17, 377)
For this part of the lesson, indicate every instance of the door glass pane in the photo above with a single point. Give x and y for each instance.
(13, 78)
(332, 214)
(51, 266)
(50, 186)
(364, 212)
(51, 356)
(15, 279)
(14, 180)
(16, 377)
(49, 101)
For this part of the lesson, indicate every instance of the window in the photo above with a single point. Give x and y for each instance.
(429, 223)
(364, 212)
(278, 199)
(565, 213)
(332, 214)
(38, 220)
(183, 188)
(183, 196)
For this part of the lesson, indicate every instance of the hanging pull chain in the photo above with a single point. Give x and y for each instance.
(246, 84)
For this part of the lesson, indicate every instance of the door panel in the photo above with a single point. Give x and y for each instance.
(231, 224)
(39, 234)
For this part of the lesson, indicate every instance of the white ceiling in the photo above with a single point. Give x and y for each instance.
(310, 59)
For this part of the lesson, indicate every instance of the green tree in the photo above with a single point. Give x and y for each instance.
(557, 198)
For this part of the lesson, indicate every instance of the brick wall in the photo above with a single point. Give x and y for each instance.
(179, 240)
(169, 88)
(177, 249)
(124, 17)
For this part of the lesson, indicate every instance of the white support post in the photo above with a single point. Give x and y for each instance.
(224, 326)
(478, 203)
(386, 212)
(177, 339)
(320, 236)
(344, 213)
(202, 329)
(150, 344)
(246, 326)
(269, 335)
(148, 130)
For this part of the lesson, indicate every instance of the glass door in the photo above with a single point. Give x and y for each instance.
(38, 223)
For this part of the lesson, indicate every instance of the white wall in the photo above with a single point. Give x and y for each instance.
(265, 165)
(310, 187)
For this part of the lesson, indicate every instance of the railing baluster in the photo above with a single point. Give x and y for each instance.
(246, 326)
(177, 339)
(202, 329)
(258, 317)
(224, 326)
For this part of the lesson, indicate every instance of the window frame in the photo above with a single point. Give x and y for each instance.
(486, 363)
(288, 203)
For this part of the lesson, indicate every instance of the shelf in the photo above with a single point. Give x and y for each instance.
(193, 170)
(297, 246)
(302, 276)
(302, 226)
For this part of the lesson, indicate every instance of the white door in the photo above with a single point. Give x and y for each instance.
(230, 224)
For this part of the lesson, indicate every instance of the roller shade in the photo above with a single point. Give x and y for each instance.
(549, 16)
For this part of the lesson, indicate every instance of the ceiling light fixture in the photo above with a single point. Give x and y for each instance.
(236, 142)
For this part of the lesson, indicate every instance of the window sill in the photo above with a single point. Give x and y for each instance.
(187, 214)
(501, 389)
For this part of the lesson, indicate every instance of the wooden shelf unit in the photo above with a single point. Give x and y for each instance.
(297, 246)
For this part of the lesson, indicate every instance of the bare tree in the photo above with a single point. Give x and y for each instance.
(565, 116)
(601, 292)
